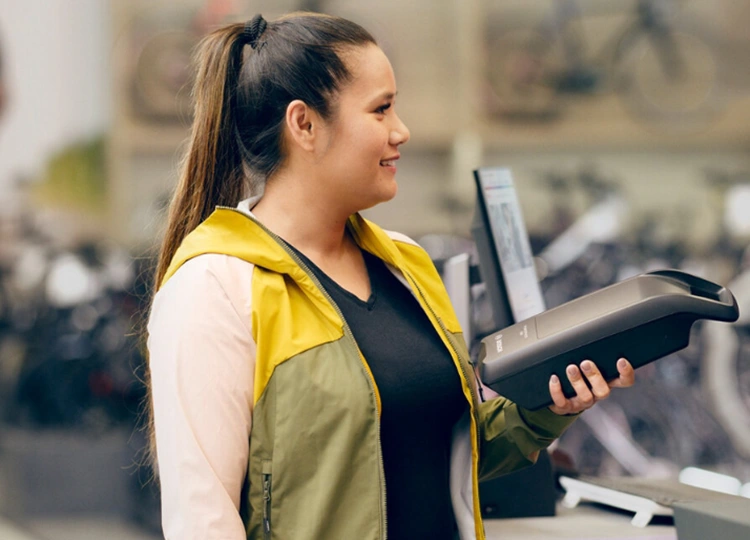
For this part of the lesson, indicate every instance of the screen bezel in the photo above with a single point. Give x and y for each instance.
(503, 297)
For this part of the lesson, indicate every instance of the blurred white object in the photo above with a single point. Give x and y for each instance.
(602, 223)
(30, 268)
(70, 282)
(736, 216)
(714, 481)
(618, 440)
(457, 284)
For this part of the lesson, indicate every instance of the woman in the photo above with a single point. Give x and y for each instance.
(309, 379)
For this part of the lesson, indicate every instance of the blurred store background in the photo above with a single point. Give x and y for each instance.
(630, 152)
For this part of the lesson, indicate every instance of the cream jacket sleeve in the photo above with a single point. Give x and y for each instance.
(201, 356)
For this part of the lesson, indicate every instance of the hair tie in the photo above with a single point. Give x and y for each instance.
(254, 28)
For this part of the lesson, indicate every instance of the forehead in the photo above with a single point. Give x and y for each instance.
(372, 74)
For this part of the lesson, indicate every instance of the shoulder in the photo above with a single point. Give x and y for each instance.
(412, 252)
(401, 238)
(227, 270)
(210, 281)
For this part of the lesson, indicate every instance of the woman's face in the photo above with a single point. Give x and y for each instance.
(359, 147)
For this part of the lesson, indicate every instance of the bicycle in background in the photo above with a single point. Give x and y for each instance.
(666, 69)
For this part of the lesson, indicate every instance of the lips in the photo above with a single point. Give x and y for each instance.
(390, 162)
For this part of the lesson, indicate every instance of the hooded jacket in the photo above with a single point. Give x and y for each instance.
(315, 467)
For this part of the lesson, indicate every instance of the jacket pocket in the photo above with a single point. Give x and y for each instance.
(266, 478)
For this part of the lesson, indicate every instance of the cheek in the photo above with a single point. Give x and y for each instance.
(366, 140)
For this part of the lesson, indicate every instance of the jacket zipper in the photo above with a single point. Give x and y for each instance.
(267, 506)
(348, 333)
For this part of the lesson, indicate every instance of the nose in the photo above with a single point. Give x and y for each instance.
(400, 133)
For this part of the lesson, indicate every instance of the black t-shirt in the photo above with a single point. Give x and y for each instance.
(421, 400)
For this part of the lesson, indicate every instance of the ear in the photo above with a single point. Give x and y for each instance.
(302, 124)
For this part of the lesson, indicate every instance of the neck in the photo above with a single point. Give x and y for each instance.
(292, 209)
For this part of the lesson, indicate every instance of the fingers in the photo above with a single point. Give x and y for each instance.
(589, 384)
(559, 399)
(599, 385)
(627, 375)
(583, 396)
(562, 405)
(581, 401)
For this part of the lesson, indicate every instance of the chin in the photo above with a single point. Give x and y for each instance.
(388, 195)
(383, 190)
(390, 189)
(381, 198)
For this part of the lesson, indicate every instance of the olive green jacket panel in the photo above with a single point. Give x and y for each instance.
(315, 449)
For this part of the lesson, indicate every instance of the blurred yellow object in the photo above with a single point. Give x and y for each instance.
(75, 179)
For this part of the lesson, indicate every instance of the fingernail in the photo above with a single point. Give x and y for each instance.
(621, 363)
(554, 379)
(571, 371)
(587, 366)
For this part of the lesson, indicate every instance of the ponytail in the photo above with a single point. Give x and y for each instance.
(212, 172)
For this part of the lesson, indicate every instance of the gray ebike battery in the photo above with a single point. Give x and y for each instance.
(643, 318)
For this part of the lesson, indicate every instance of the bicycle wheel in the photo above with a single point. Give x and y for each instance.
(670, 78)
(519, 76)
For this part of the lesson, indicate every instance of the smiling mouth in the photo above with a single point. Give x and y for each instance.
(388, 163)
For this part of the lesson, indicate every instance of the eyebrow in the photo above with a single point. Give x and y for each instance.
(386, 95)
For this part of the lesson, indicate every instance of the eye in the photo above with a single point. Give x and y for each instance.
(383, 108)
